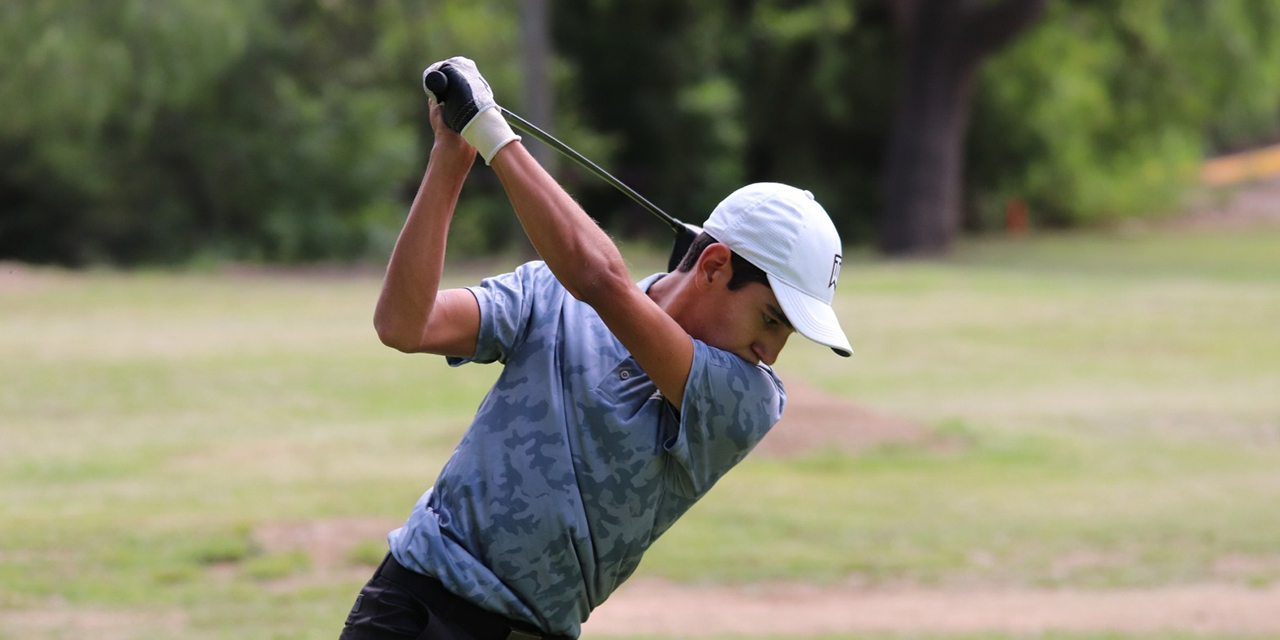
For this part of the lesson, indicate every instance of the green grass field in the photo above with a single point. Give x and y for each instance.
(1113, 404)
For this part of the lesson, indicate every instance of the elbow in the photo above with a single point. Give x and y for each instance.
(603, 285)
(394, 337)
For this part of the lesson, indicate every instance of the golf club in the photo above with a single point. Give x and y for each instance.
(438, 84)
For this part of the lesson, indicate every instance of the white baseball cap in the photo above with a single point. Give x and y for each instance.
(788, 235)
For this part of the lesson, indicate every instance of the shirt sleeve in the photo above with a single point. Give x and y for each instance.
(728, 407)
(507, 303)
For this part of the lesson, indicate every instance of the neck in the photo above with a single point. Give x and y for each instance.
(673, 293)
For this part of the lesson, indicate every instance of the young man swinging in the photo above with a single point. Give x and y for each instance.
(620, 403)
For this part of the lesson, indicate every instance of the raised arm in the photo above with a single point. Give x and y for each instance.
(412, 314)
(580, 254)
(585, 260)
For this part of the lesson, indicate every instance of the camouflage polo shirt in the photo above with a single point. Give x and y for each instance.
(574, 463)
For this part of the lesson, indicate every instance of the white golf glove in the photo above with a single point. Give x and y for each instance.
(469, 109)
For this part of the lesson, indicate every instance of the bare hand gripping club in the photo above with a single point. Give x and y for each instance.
(438, 84)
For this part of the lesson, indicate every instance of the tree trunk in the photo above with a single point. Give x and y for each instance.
(944, 42)
(923, 169)
(539, 95)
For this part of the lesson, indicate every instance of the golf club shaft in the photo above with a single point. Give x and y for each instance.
(529, 128)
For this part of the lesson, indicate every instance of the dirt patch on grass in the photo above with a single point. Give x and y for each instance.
(1260, 570)
(334, 550)
(814, 420)
(330, 544)
(90, 623)
(649, 607)
(15, 276)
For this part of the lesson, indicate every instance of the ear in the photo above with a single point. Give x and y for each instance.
(715, 266)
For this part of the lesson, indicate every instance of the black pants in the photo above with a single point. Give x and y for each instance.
(400, 604)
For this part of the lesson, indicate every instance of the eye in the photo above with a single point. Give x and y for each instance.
(769, 321)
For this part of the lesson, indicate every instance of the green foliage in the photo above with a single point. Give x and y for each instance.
(86, 83)
(278, 130)
(708, 96)
(295, 130)
(1107, 109)
(657, 87)
(1102, 110)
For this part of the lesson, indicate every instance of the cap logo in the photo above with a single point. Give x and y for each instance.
(835, 271)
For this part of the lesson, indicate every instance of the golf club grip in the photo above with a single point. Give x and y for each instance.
(437, 83)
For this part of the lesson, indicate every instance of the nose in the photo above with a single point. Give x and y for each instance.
(767, 350)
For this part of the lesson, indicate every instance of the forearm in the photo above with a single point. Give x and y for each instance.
(580, 254)
(413, 274)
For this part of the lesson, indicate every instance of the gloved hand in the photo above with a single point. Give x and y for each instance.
(469, 109)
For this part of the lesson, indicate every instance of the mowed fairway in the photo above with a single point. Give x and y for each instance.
(219, 456)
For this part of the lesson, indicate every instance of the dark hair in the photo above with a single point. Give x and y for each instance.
(744, 273)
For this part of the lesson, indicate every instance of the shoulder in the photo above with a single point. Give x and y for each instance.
(729, 406)
(520, 292)
(530, 278)
(721, 382)
(513, 306)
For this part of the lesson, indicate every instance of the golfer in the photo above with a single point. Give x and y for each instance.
(620, 404)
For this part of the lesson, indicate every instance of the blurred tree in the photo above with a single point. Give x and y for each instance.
(266, 129)
(648, 73)
(82, 86)
(813, 77)
(943, 44)
(703, 97)
(296, 129)
(1108, 109)
(539, 94)
(1101, 110)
